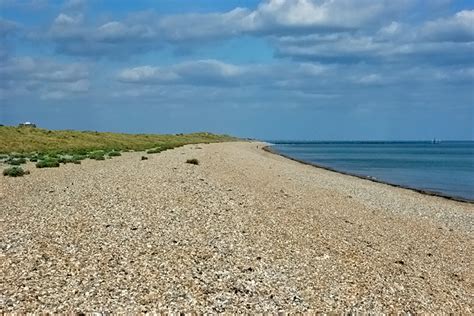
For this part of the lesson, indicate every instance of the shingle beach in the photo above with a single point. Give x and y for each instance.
(244, 231)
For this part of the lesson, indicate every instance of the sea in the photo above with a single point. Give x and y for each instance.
(443, 167)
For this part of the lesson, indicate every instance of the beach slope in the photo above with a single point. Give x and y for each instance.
(245, 230)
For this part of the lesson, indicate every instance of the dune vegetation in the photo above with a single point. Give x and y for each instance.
(50, 149)
(29, 140)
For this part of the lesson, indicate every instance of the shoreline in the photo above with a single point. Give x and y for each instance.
(269, 149)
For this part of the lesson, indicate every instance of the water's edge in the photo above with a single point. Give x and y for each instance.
(269, 149)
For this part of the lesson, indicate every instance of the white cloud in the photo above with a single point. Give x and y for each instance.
(64, 20)
(320, 14)
(145, 31)
(196, 72)
(448, 41)
(42, 77)
(457, 28)
(147, 74)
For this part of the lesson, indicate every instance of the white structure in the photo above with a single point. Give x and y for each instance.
(27, 124)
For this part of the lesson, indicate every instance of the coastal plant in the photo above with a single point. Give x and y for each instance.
(65, 160)
(77, 158)
(97, 155)
(114, 154)
(17, 155)
(48, 163)
(193, 161)
(15, 172)
(154, 151)
(16, 161)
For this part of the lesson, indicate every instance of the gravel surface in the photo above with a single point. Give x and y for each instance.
(245, 230)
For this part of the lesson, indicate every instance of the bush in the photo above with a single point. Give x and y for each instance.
(154, 151)
(34, 159)
(16, 161)
(193, 161)
(65, 160)
(114, 154)
(15, 172)
(17, 155)
(49, 163)
(79, 158)
(98, 155)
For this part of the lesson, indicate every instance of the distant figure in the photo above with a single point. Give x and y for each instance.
(27, 124)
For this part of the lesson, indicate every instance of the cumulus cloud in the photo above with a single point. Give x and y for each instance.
(457, 28)
(200, 72)
(28, 68)
(334, 31)
(320, 15)
(34, 76)
(143, 31)
(318, 43)
(448, 41)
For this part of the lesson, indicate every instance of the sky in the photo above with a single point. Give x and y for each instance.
(271, 69)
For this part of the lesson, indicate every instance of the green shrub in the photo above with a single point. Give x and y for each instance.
(48, 163)
(17, 155)
(168, 146)
(64, 160)
(16, 161)
(52, 156)
(154, 151)
(79, 157)
(15, 172)
(193, 161)
(114, 154)
(97, 155)
(34, 159)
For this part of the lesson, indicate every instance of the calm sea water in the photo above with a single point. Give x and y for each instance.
(445, 167)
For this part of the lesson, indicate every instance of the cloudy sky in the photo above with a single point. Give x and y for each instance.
(272, 69)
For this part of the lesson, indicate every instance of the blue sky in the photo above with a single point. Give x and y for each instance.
(272, 69)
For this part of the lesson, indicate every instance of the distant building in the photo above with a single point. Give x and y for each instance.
(27, 124)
